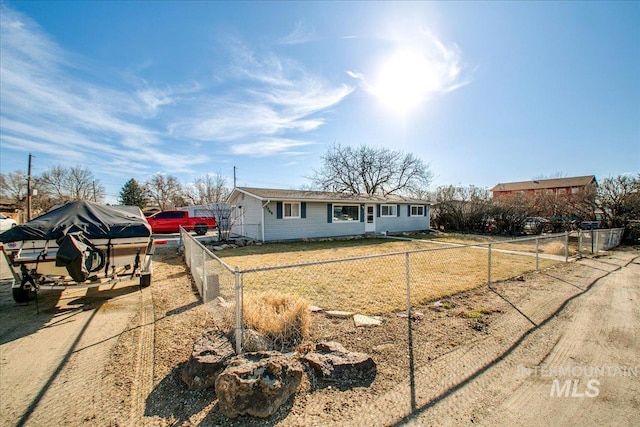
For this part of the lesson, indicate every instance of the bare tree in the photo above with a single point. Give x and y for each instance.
(510, 211)
(211, 192)
(462, 208)
(207, 189)
(369, 170)
(14, 186)
(165, 191)
(61, 185)
(619, 199)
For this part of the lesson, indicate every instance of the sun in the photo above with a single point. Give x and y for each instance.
(404, 80)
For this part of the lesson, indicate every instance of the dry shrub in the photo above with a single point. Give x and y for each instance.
(285, 319)
(554, 248)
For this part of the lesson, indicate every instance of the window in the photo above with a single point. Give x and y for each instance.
(388, 210)
(575, 190)
(549, 191)
(562, 191)
(291, 210)
(171, 215)
(417, 210)
(346, 213)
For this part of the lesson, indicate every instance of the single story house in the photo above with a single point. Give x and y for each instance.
(275, 215)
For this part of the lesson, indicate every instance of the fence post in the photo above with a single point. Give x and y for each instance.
(580, 242)
(566, 246)
(489, 266)
(407, 273)
(537, 246)
(412, 378)
(204, 277)
(238, 289)
(592, 240)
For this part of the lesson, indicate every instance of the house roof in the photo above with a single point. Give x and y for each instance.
(320, 196)
(541, 184)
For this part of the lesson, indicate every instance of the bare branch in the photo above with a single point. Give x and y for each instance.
(369, 170)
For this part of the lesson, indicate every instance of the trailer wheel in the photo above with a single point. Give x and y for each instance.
(145, 280)
(200, 229)
(21, 295)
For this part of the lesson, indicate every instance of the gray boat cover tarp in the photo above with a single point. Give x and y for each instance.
(93, 220)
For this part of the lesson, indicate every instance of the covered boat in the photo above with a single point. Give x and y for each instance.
(81, 243)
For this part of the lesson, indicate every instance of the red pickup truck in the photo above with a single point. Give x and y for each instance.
(170, 222)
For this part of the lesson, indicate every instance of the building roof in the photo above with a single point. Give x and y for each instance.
(321, 196)
(541, 184)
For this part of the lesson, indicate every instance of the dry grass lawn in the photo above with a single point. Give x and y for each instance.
(375, 280)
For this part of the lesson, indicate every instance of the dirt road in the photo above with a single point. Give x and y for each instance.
(577, 364)
(52, 356)
(111, 356)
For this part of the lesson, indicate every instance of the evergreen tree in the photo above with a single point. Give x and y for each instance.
(133, 194)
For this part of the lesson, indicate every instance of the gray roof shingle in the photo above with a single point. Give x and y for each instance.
(323, 196)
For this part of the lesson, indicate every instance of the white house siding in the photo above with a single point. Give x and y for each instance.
(315, 225)
(262, 223)
(403, 222)
(252, 217)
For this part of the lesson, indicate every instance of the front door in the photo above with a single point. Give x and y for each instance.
(370, 219)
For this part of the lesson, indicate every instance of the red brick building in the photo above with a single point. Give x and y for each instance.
(556, 186)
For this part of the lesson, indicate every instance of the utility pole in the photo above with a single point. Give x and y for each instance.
(29, 189)
(234, 177)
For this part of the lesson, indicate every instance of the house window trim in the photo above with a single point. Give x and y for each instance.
(336, 220)
(418, 208)
(284, 210)
(388, 215)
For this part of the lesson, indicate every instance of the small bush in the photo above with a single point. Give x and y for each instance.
(285, 319)
(554, 248)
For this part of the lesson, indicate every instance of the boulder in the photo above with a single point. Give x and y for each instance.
(210, 352)
(257, 383)
(252, 341)
(331, 361)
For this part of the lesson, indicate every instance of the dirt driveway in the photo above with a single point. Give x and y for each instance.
(112, 356)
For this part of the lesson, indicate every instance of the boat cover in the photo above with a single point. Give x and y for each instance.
(93, 220)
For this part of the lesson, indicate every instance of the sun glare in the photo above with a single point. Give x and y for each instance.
(404, 81)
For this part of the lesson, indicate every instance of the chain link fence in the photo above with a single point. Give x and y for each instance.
(594, 241)
(446, 309)
(377, 284)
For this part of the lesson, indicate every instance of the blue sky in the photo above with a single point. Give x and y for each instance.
(483, 92)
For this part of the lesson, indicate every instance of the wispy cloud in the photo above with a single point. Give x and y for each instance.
(299, 35)
(269, 147)
(153, 99)
(272, 96)
(51, 104)
(48, 107)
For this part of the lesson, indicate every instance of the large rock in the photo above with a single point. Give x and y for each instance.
(331, 361)
(257, 383)
(252, 341)
(210, 352)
